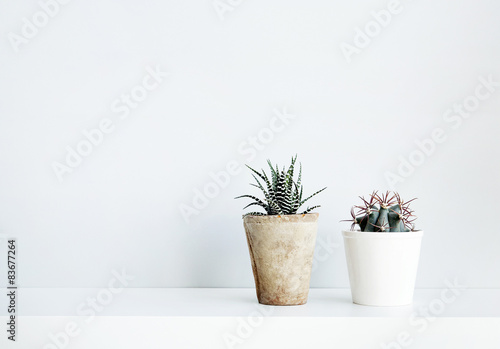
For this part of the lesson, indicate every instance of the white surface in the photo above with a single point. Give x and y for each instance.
(208, 318)
(120, 208)
(295, 333)
(382, 267)
(215, 302)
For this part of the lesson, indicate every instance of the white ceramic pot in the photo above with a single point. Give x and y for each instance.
(382, 266)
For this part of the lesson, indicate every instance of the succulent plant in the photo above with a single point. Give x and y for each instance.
(282, 194)
(383, 213)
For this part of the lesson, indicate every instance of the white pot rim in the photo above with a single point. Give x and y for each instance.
(357, 234)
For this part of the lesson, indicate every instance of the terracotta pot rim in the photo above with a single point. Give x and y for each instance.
(288, 218)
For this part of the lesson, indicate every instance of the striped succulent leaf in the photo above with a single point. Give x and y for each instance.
(282, 194)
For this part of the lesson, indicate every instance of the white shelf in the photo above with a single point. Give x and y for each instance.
(206, 318)
(240, 302)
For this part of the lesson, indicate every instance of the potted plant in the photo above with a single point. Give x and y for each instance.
(382, 256)
(280, 240)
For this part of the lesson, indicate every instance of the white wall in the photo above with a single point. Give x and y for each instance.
(120, 207)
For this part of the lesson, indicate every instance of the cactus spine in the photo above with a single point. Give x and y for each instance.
(383, 213)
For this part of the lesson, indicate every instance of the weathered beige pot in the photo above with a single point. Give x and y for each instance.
(281, 250)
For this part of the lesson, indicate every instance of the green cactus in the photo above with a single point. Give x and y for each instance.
(383, 213)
